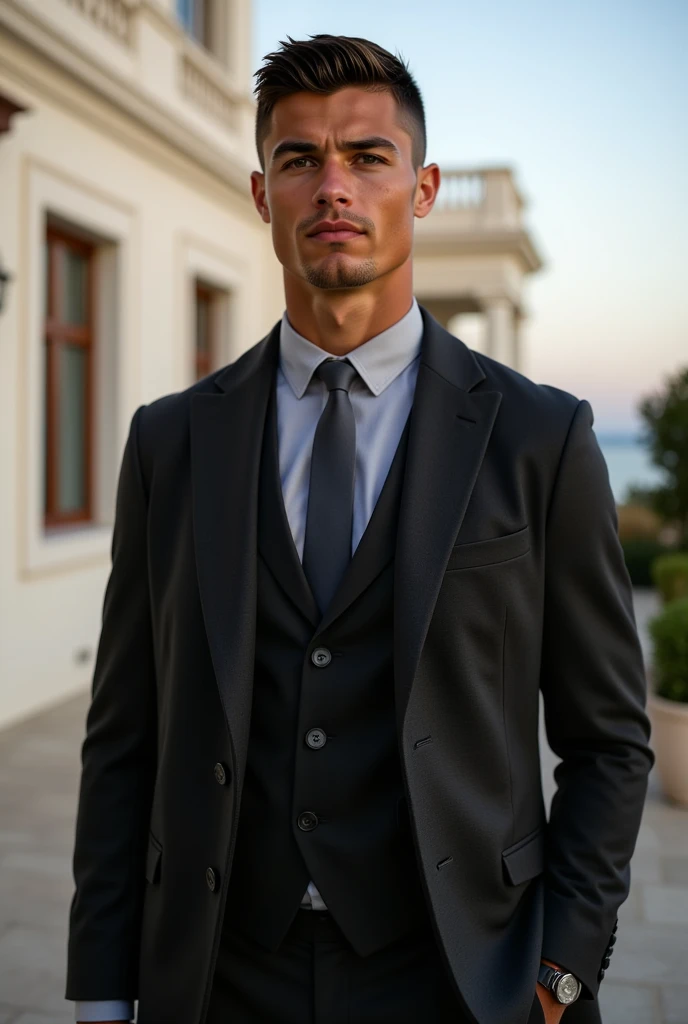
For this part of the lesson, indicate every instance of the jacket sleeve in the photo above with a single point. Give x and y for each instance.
(118, 759)
(593, 685)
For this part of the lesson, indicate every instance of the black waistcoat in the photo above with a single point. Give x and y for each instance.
(333, 812)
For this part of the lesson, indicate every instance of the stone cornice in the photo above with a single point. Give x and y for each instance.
(517, 243)
(123, 95)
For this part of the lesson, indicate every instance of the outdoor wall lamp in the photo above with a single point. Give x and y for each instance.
(5, 278)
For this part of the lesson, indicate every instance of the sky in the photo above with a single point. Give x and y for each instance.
(588, 103)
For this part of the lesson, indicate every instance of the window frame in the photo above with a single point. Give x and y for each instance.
(56, 334)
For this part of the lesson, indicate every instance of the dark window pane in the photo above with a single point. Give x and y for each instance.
(71, 485)
(46, 279)
(202, 323)
(74, 287)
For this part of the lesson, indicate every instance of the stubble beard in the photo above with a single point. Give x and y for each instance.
(338, 274)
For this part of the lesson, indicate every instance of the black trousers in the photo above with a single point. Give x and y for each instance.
(315, 977)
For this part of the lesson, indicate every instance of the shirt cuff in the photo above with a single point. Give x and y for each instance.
(105, 1009)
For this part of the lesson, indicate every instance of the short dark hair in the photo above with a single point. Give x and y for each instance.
(323, 64)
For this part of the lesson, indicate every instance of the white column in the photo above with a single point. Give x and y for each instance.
(501, 335)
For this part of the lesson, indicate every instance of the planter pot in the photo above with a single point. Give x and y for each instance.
(670, 744)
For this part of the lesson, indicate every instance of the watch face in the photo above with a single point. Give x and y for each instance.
(567, 989)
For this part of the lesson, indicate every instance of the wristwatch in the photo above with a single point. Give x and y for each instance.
(564, 987)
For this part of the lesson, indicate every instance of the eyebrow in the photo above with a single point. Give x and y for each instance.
(301, 146)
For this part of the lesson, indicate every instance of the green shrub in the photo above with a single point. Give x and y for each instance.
(669, 632)
(670, 575)
(640, 553)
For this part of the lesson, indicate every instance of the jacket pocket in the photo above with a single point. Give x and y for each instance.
(153, 858)
(526, 858)
(487, 552)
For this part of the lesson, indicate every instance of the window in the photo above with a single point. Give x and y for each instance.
(206, 329)
(68, 408)
(197, 17)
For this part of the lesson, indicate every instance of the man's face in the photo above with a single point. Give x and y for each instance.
(339, 188)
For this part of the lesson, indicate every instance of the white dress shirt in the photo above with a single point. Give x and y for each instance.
(381, 397)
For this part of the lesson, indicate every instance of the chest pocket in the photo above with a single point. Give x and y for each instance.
(489, 552)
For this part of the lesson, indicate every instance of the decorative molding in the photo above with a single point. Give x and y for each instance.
(492, 242)
(110, 16)
(121, 94)
(208, 92)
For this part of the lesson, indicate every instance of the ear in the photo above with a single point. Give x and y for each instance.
(259, 198)
(427, 187)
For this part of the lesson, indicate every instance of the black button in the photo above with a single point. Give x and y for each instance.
(605, 963)
(321, 657)
(316, 738)
(600, 976)
(211, 879)
(307, 821)
(220, 773)
(616, 925)
(612, 942)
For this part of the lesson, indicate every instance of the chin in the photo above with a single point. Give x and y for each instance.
(339, 271)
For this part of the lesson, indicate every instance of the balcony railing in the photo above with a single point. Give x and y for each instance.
(110, 16)
(477, 199)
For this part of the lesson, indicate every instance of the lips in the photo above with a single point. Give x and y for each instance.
(335, 231)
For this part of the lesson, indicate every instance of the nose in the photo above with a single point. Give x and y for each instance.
(333, 188)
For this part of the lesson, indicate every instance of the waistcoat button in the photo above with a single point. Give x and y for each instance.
(316, 738)
(211, 879)
(307, 821)
(220, 773)
(321, 657)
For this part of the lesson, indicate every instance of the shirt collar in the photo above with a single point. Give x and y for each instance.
(378, 361)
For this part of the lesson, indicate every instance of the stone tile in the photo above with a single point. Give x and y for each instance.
(666, 904)
(675, 870)
(65, 1017)
(630, 910)
(646, 866)
(32, 968)
(51, 864)
(649, 954)
(629, 1004)
(674, 999)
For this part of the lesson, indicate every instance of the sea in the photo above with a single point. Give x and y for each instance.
(628, 463)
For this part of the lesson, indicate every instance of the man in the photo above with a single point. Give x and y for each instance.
(344, 568)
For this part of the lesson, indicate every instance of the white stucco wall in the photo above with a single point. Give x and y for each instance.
(165, 220)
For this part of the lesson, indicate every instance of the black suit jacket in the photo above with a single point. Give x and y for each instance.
(509, 581)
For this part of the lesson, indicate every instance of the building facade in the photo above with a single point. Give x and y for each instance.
(136, 265)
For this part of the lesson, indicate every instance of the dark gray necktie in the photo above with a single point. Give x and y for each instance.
(327, 544)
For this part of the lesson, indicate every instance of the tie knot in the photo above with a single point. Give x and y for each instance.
(336, 374)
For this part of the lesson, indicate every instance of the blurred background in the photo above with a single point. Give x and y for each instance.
(132, 263)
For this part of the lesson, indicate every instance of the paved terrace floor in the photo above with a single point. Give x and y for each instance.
(647, 982)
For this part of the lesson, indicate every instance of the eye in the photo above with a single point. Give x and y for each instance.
(298, 162)
(371, 157)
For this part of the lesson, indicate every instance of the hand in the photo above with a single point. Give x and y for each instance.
(552, 1009)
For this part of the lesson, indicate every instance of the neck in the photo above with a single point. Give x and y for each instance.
(340, 321)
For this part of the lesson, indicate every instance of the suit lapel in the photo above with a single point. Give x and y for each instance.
(450, 429)
(226, 438)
